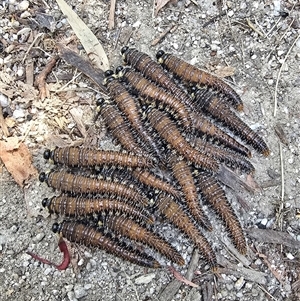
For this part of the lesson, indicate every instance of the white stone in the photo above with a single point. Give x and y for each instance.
(79, 291)
(145, 279)
(23, 5)
(290, 256)
(3, 100)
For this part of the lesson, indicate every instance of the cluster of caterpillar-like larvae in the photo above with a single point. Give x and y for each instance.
(165, 126)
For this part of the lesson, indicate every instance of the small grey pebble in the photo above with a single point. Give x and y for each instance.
(39, 237)
(79, 291)
(71, 296)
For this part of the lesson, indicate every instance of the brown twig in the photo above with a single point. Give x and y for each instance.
(170, 29)
(40, 80)
(172, 288)
(213, 19)
(111, 19)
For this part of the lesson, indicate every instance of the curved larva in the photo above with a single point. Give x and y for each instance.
(130, 108)
(89, 236)
(169, 132)
(213, 193)
(230, 158)
(149, 179)
(193, 75)
(86, 157)
(153, 71)
(149, 90)
(67, 182)
(172, 211)
(127, 227)
(214, 106)
(205, 127)
(80, 206)
(184, 176)
(119, 127)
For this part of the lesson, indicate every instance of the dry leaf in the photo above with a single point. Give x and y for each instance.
(225, 71)
(88, 40)
(17, 159)
(181, 278)
(77, 115)
(159, 4)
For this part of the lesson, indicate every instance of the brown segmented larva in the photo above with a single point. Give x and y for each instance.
(67, 182)
(83, 157)
(149, 179)
(207, 128)
(149, 90)
(184, 176)
(168, 130)
(214, 106)
(213, 193)
(80, 206)
(153, 71)
(126, 227)
(172, 211)
(129, 106)
(119, 127)
(230, 158)
(89, 236)
(193, 75)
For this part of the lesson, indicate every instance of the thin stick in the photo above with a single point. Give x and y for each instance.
(171, 29)
(251, 25)
(68, 83)
(279, 73)
(111, 19)
(38, 36)
(265, 291)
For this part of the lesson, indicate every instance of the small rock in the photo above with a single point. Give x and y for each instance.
(79, 291)
(23, 5)
(25, 264)
(230, 13)
(80, 262)
(71, 296)
(145, 279)
(48, 271)
(69, 287)
(290, 256)
(39, 237)
(239, 283)
(3, 101)
(18, 113)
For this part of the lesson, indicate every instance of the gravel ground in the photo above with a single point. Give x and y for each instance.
(255, 39)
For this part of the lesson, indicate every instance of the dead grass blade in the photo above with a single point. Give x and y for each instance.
(88, 40)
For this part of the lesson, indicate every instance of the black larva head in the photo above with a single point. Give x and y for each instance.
(119, 69)
(56, 228)
(100, 102)
(46, 202)
(108, 73)
(108, 80)
(160, 56)
(193, 89)
(47, 154)
(124, 49)
(42, 177)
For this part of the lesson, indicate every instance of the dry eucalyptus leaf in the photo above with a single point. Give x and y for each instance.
(88, 40)
(17, 159)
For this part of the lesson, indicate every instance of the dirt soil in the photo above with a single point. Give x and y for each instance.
(256, 43)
